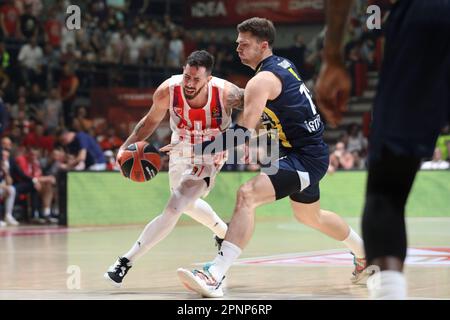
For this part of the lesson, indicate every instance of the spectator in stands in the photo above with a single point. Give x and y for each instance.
(168, 25)
(28, 22)
(100, 37)
(50, 64)
(70, 55)
(110, 141)
(87, 53)
(98, 9)
(52, 108)
(53, 28)
(135, 45)
(356, 142)
(37, 138)
(56, 163)
(436, 163)
(29, 164)
(7, 190)
(23, 184)
(19, 107)
(81, 122)
(36, 6)
(31, 58)
(341, 158)
(175, 55)
(10, 20)
(87, 154)
(68, 86)
(111, 163)
(160, 48)
(36, 97)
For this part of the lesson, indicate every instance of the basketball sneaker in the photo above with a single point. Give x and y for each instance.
(360, 273)
(201, 281)
(117, 271)
(218, 243)
(218, 240)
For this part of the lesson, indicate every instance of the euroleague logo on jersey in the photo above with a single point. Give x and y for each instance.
(215, 112)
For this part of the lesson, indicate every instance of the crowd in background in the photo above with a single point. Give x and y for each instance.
(44, 66)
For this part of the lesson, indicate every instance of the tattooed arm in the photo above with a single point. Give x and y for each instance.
(233, 97)
(151, 120)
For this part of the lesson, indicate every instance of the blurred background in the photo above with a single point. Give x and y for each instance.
(100, 79)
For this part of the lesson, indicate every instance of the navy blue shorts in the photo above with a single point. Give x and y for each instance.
(413, 95)
(299, 172)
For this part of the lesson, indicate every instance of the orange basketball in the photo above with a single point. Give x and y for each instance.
(140, 161)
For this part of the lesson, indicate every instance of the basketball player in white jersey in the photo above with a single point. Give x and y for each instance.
(200, 107)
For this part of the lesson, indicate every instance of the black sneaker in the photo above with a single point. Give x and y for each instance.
(117, 271)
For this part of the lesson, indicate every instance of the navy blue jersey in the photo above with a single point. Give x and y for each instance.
(94, 153)
(292, 113)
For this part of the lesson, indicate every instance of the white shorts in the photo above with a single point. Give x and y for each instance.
(181, 169)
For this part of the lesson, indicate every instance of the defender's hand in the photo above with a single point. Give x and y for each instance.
(333, 91)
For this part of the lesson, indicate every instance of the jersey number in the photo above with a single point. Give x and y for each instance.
(304, 90)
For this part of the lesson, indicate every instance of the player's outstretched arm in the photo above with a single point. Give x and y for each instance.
(333, 84)
(148, 124)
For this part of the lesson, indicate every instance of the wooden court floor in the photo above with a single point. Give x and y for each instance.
(284, 260)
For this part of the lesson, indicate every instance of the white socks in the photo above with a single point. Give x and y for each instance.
(202, 212)
(180, 201)
(355, 244)
(387, 285)
(224, 259)
(154, 232)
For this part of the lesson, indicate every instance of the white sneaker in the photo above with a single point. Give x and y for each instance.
(201, 281)
(2, 224)
(361, 272)
(11, 221)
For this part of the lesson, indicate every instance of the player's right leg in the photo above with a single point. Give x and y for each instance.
(407, 118)
(307, 211)
(157, 229)
(389, 182)
(208, 281)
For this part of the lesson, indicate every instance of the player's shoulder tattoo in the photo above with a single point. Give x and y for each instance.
(234, 97)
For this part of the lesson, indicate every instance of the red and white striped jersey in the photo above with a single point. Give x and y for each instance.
(197, 123)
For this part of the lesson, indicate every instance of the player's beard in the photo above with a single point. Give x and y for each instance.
(192, 96)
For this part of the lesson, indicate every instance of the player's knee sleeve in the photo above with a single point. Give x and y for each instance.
(389, 183)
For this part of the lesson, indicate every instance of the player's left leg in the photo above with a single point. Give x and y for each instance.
(157, 229)
(163, 224)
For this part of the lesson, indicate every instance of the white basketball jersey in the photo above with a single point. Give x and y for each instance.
(197, 124)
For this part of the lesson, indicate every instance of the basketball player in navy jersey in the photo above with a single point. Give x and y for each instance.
(411, 106)
(278, 95)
